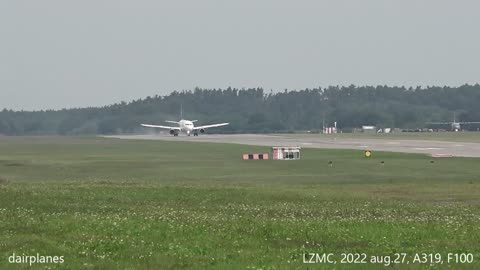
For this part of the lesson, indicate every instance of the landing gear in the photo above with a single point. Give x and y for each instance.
(175, 134)
(195, 134)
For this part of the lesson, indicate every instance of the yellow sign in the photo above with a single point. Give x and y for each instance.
(368, 153)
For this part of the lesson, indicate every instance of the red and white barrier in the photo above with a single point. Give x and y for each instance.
(254, 156)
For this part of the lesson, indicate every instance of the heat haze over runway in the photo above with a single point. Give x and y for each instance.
(429, 147)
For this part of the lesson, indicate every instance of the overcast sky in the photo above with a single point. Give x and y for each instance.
(56, 54)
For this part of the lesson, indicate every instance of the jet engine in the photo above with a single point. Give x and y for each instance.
(172, 131)
(202, 130)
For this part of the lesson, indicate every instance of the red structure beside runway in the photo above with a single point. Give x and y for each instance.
(255, 156)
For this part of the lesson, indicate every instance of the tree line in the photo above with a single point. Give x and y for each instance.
(254, 110)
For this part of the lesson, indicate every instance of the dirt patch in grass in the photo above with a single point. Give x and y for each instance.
(14, 164)
(3, 180)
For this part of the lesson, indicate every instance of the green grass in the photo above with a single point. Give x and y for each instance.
(120, 204)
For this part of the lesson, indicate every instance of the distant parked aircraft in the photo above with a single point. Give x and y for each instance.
(455, 126)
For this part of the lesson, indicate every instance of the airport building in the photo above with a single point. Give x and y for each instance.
(286, 153)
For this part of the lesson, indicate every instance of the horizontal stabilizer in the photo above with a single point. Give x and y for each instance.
(173, 122)
(164, 127)
(439, 123)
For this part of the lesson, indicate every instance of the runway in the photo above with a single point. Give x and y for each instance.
(428, 147)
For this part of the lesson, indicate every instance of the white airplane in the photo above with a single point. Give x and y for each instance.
(185, 126)
(455, 126)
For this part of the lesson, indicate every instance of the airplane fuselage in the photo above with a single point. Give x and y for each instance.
(456, 126)
(186, 126)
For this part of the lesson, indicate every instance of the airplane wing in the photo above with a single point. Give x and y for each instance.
(448, 123)
(164, 127)
(210, 126)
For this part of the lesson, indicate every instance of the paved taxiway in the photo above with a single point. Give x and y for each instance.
(461, 149)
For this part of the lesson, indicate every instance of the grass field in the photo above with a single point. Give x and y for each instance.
(121, 204)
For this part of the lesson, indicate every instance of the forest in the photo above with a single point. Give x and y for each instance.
(258, 111)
